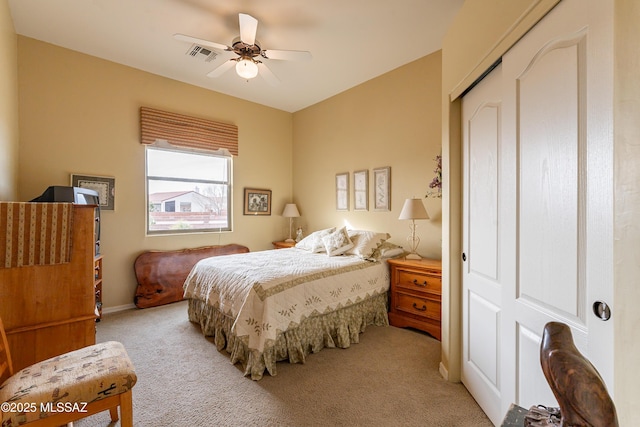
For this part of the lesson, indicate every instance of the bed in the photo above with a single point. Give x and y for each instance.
(268, 306)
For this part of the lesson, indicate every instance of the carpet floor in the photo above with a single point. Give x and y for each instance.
(390, 378)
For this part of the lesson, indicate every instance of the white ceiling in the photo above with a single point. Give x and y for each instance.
(351, 41)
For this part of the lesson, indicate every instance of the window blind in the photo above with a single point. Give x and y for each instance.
(186, 131)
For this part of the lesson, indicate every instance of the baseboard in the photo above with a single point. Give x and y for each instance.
(107, 310)
(443, 371)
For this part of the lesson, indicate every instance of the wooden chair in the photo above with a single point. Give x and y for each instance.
(575, 382)
(68, 387)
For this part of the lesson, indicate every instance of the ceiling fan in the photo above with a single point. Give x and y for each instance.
(250, 53)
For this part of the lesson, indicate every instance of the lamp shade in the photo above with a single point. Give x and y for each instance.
(413, 209)
(290, 211)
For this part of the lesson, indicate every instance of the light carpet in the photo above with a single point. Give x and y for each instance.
(389, 379)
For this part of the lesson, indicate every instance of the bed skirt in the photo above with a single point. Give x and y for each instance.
(339, 328)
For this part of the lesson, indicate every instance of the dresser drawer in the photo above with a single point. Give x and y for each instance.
(418, 282)
(417, 306)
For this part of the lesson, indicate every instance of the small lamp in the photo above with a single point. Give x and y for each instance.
(290, 211)
(413, 209)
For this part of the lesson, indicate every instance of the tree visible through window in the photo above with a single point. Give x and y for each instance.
(187, 191)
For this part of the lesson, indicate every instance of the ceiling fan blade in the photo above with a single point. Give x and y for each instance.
(287, 55)
(248, 29)
(217, 72)
(201, 42)
(268, 75)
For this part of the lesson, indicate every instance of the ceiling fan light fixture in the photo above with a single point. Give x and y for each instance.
(247, 68)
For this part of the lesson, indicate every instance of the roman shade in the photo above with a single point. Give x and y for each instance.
(186, 131)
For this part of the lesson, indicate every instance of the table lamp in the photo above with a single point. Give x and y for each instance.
(290, 211)
(413, 209)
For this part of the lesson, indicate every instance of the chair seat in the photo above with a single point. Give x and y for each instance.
(81, 376)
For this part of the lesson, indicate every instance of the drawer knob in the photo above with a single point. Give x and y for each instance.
(415, 282)
(424, 307)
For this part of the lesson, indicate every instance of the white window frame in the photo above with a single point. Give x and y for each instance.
(228, 182)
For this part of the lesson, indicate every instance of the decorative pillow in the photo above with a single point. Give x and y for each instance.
(366, 242)
(313, 242)
(385, 251)
(389, 250)
(337, 242)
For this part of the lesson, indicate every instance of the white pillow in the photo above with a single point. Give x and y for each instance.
(385, 251)
(313, 242)
(366, 242)
(337, 242)
(390, 252)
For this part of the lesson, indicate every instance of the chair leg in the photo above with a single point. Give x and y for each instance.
(126, 409)
(114, 414)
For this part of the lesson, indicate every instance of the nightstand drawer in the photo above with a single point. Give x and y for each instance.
(423, 307)
(419, 282)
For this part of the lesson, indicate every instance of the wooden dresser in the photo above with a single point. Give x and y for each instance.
(416, 294)
(48, 310)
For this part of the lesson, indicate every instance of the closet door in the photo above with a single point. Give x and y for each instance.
(538, 206)
(482, 278)
(558, 160)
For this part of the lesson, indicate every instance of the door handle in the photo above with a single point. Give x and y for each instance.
(602, 310)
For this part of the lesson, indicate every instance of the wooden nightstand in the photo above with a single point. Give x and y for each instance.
(416, 294)
(283, 245)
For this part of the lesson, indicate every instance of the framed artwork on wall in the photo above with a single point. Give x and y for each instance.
(361, 190)
(257, 202)
(104, 185)
(382, 189)
(342, 191)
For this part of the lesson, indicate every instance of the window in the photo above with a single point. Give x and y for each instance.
(187, 191)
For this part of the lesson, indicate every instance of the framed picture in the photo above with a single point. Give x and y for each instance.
(382, 189)
(361, 190)
(342, 191)
(257, 202)
(104, 185)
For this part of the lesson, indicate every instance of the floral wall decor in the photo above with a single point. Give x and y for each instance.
(435, 186)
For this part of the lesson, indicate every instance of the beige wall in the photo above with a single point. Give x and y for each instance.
(480, 34)
(80, 114)
(627, 209)
(8, 105)
(392, 120)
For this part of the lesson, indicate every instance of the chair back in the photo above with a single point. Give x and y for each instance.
(6, 368)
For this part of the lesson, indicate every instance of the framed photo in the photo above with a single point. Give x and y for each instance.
(104, 185)
(382, 189)
(342, 191)
(257, 202)
(361, 190)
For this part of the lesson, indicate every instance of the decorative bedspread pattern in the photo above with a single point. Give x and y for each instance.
(262, 291)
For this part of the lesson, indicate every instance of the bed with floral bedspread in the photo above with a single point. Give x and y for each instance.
(268, 306)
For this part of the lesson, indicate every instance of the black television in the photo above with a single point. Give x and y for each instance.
(77, 195)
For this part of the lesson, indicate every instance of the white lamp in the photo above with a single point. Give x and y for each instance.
(413, 209)
(290, 211)
(247, 68)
